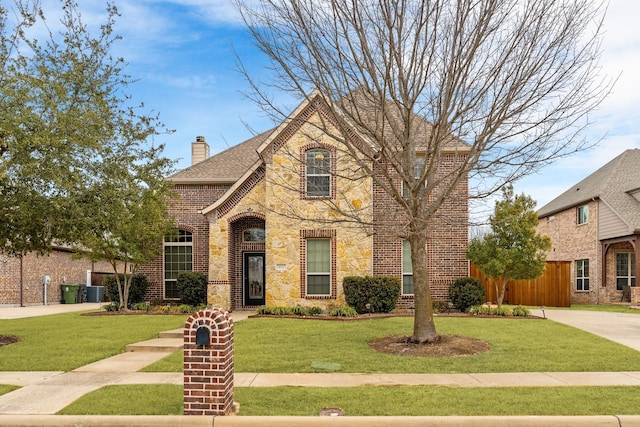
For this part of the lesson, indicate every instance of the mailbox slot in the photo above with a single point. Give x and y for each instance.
(203, 336)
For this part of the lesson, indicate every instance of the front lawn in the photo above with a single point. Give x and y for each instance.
(517, 345)
(63, 342)
(372, 401)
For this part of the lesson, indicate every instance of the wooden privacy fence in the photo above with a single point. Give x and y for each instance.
(551, 289)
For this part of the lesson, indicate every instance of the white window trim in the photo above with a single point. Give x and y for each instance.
(317, 273)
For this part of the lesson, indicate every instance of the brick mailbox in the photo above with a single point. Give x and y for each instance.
(208, 363)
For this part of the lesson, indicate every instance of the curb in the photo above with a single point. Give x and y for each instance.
(251, 421)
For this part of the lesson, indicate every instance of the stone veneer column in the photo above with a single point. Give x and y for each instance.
(208, 368)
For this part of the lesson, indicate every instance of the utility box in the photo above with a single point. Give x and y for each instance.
(95, 293)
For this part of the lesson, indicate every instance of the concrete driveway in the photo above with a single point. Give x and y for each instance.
(619, 327)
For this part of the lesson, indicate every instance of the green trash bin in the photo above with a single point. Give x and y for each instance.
(69, 293)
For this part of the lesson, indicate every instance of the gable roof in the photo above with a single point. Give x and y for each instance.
(613, 183)
(226, 167)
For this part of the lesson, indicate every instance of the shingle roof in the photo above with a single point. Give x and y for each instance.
(225, 167)
(612, 184)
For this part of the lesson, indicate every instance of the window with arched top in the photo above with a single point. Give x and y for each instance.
(178, 256)
(318, 173)
(253, 235)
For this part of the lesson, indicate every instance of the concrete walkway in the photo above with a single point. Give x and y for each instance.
(45, 393)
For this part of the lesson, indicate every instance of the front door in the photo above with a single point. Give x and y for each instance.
(253, 278)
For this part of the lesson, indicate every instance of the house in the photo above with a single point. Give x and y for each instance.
(261, 220)
(596, 225)
(22, 279)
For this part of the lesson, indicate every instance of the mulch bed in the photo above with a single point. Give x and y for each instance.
(8, 339)
(444, 346)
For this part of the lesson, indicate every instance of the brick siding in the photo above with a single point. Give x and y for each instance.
(58, 265)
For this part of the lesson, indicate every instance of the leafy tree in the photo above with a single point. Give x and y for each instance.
(514, 80)
(513, 250)
(123, 214)
(63, 110)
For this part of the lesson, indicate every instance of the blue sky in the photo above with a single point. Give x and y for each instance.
(181, 52)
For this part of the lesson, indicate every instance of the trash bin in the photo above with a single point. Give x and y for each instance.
(69, 293)
(82, 294)
(95, 293)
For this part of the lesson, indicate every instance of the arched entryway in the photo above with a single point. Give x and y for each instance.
(247, 260)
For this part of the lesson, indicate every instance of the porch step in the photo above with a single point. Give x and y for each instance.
(157, 345)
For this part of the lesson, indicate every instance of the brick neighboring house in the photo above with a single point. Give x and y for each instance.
(596, 225)
(237, 221)
(21, 280)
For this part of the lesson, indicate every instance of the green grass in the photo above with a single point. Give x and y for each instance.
(148, 399)
(604, 307)
(517, 345)
(67, 341)
(7, 388)
(372, 401)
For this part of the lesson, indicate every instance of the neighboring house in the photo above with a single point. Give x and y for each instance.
(21, 279)
(241, 222)
(596, 225)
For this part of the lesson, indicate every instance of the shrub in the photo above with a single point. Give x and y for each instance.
(142, 306)
(289, 311)
(466, 292)
(137, 290)
(521, 311)
(440, 306)
(192, 286)
(501, 311)
(367, 294)
(315, 311)
(343, 311)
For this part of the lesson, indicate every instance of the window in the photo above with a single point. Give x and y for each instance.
(407, 269)
(625, 269)
(253, 235)
(319, 267)
(178, 256)
(318, 164)
(583, 214)
(582, 275)
(417, 172)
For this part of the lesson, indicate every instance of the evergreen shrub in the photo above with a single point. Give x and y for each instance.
(466, 292)
(372, 294)
(192, 287)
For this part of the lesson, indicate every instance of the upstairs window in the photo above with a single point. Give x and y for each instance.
(417, 173)
(318, 173)
(583, 214)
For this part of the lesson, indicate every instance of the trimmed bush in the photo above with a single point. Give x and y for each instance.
(343, 311)
(192, 286)
(367, 294)
(521, 311)
(137, 291)
(466, 292)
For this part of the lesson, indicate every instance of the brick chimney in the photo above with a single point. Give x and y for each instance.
(199, 150)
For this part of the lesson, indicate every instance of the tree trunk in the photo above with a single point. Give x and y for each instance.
(503, 287)
(424, 329)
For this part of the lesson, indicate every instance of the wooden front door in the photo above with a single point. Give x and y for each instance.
(253, 278)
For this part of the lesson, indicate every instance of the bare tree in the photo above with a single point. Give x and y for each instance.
(514, 80)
